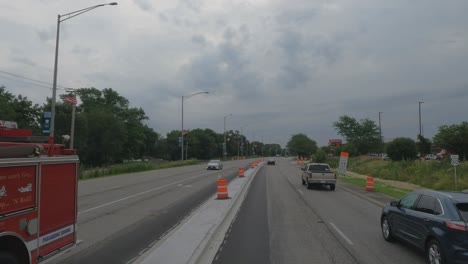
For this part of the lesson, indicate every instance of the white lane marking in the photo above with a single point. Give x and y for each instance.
(138, 194)
(341, 234)
(300, 191)
(111, 188)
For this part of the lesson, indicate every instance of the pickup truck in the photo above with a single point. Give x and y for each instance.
(318, 174)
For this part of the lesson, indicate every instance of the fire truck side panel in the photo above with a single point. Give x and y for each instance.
(57, 210)
(17, 188)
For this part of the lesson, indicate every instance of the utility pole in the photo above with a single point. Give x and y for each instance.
(224, 146)
(186, 150)
(243, 142)
(182, 130)
(380, 129)
(262, 146)
(420, 125)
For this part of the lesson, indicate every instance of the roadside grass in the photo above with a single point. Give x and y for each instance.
(437, 175)
(132, 167)
(378, 187)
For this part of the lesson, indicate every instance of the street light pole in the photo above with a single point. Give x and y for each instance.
(224, 147)
(54, 85)
(380, 128)
(420, 126)
(182, 131)
(242, 139)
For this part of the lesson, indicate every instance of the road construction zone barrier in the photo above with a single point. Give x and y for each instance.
(370, 184)
(222, 189)
(241, 172)
(252, 165)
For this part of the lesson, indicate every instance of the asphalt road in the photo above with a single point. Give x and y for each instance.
(120, 217)
(282, 221)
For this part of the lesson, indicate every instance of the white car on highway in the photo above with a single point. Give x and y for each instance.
(214, 165)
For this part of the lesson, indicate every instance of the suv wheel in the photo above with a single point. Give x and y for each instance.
(434, 253)
(386, 230)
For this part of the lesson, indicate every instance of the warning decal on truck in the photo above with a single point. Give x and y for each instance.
(17, 188)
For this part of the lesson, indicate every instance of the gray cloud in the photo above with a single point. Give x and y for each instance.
(23, 60)
(162, 17)
(145, 5)
(46, 35)
(85, 51)
(271, 63)
(199, 39)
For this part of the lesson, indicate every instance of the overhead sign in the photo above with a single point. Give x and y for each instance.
(46, 125)
(343, 163)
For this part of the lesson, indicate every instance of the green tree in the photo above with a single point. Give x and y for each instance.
(454, 138)
(302, 145)
(363, 135)
(402, 149)
(104, 139)
(423, 145)
(202, 144)
(20, 110)
(173, 150)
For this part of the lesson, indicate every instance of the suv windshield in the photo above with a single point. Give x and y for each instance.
(323, 168)
(463, 209)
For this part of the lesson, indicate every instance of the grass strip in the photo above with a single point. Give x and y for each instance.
(378, 187)
(133, 167)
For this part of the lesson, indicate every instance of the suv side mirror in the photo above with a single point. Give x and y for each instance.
(394, 203)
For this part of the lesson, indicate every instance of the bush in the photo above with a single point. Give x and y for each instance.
(402, 149)
(320, 156)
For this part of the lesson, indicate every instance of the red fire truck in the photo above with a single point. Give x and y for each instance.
(38, 197)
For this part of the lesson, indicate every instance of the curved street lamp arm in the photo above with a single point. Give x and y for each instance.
(81, 11)
(191, 95)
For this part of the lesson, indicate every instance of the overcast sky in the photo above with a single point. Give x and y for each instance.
(280, 67)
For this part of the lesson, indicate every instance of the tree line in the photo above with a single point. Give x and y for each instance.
(108, 130)
(363, 137)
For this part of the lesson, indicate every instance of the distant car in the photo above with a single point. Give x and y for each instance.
(214, 165)
(434, 221)
(271, 162)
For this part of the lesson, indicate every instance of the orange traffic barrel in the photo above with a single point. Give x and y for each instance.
(252, 165)
(222, 189)
(370, 184)
(241, 172)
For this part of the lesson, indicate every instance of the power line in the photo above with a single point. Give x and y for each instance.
(33, 84)
(30, 79)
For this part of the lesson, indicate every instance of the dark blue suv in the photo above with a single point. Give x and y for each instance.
(433, 221)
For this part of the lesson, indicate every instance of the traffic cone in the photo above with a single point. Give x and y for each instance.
(222, 189)
(241, 172)
(370, 184)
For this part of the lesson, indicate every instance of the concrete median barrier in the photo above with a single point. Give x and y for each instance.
(198, 237)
